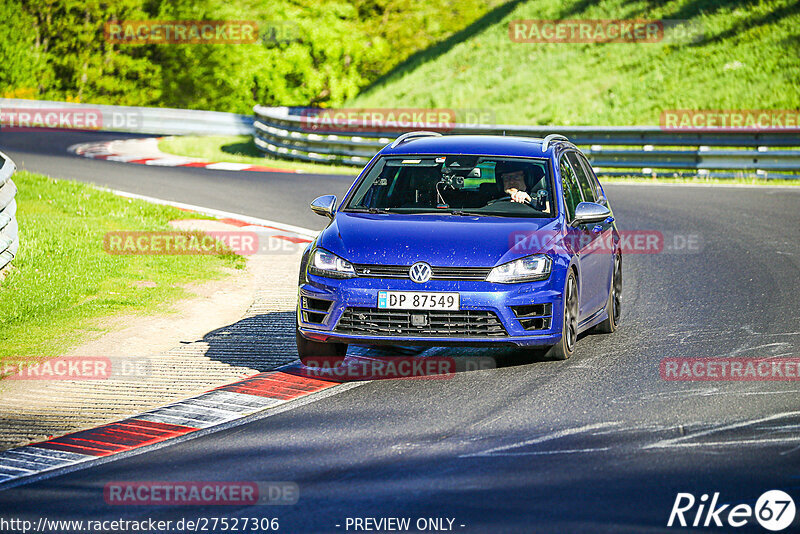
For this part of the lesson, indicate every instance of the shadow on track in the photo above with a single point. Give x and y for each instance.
(265, 342)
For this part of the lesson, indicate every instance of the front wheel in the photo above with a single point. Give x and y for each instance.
(569, 331)
(317, 354)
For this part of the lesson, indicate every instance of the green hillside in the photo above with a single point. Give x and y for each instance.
(309, 52)
(748, 58)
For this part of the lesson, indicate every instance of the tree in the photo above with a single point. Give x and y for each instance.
(23, 72)
(86, 67)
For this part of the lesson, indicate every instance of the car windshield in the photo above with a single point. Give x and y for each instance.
(459, 185)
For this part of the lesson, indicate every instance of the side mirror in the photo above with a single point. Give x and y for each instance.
(590, 212)
(324, 205)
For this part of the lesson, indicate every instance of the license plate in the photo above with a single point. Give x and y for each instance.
(417, 300)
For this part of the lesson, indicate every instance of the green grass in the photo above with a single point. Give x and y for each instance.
(62, 282)
(240, 149)
(749, 58)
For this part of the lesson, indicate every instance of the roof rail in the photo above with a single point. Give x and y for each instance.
(552, 137)
(411, 135)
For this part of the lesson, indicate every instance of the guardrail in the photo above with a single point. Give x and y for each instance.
(9, 237)
(161, 121)
(282, 132)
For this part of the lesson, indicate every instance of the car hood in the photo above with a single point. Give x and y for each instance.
(441, 240)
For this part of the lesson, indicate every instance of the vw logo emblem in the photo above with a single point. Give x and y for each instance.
(420, 272)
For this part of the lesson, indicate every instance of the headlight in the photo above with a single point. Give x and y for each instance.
(323, 263)
(527, 269)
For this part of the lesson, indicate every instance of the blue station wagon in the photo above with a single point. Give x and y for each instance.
(463, 240)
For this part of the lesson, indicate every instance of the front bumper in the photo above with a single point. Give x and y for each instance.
(475, 295)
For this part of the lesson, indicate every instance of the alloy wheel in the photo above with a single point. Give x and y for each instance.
(617, 288)
(571, 314)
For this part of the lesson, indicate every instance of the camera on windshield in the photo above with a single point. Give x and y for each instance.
(456, 168)
(451, 179)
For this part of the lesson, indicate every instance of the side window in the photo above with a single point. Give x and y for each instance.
(596, 187)
(583, 179)
(367, 189)
(569, 185)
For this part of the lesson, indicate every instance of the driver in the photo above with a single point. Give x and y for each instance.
(512, 180)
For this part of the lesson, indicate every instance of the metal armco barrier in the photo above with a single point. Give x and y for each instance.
(281, 132)
(163, 121)
(9, 238)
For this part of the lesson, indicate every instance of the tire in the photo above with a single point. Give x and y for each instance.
(614, 305)
(569, 330)
(317, 354)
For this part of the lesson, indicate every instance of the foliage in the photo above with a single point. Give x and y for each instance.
(22, 68)
(748, 58)
(334, 49)
(410, 53)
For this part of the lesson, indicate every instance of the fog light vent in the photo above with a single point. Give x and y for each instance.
(534, 316)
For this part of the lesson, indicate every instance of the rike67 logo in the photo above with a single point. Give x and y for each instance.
(774, 510)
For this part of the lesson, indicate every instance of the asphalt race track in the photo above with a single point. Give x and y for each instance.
(239, 192)
(599, 442)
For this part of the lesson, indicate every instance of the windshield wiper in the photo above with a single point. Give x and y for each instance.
(368, 210)
(456, 212)
(494, 214)
(466, 213)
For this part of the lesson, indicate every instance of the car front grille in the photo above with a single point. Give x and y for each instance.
(437, 323)
(439, 273)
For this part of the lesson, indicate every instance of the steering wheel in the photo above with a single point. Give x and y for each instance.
(507, 198)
